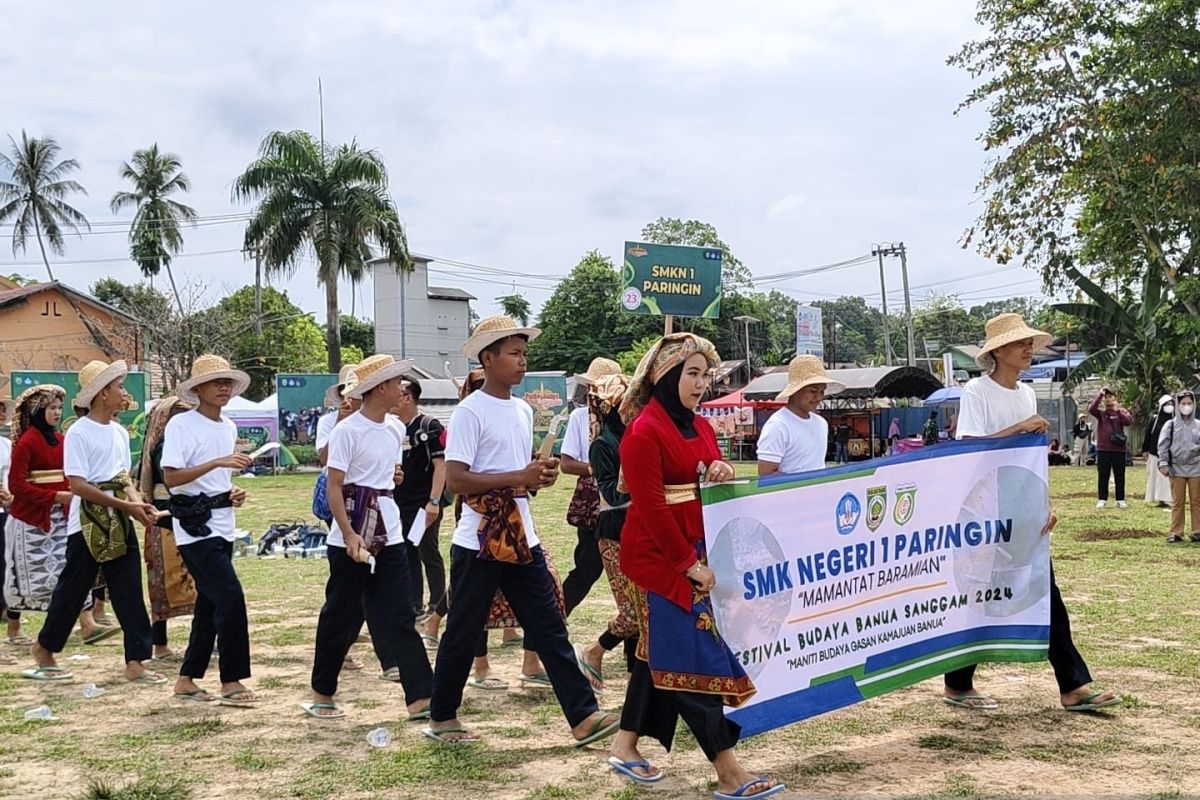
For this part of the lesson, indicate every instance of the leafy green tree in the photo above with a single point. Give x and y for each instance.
(21, 280)
(154, 235)
(671, 230)
(515, 306)
(330, 201)
(630, 358)
(357, 333)
(291, 341)
(860, 339)
(941, 321)
(35, 196)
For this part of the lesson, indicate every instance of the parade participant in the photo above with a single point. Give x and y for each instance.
(101, 538)
(1158, 486)
(496, 544)
(334, 399)
(998, 405)
(1111, 444)
(12, 619)
(1179, 461)
(585, 502)
(171, 588)
(793, 438)
(424, 482)
(684, 667)
(198, 461)
(368, 565)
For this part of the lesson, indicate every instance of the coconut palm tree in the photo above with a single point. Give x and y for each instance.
(329, 201)
(154, 234)
(37, 195)
(515, 306)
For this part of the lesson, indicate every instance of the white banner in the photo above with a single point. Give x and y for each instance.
(810, 336)
(844, 584)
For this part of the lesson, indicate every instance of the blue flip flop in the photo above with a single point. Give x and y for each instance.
(740, 792)
(627, 768)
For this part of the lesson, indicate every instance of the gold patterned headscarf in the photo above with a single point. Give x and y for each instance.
(603, 396)
(31, 400)
(666, 354)
(156, 424)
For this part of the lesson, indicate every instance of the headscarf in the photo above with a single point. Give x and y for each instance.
(666, 392)
(156, 424)
(473, 383)
(30, 400)
(605, 396)
(667, 353)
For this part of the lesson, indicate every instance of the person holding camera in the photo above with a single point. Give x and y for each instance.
(1111, 444)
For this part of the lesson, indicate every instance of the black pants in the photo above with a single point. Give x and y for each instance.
(1106, 463)
(4, 612)
(1070, 670)
(587, 570)
(352, 593)
(124, 578)
(159, 632)
(220, 611)
(529, 589)
(426, 555)
(650, 711)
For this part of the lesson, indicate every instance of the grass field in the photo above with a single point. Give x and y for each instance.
(1133, 613)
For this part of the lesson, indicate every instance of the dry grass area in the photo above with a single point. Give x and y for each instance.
(1130, 594)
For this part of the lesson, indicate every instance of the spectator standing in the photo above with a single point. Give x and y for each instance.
(1082, 433)
(1158, 485)
(1179, 459)
(1111, 444)
(842, 441)
(930, 432)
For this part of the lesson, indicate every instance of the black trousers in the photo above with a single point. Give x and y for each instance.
(352, 593)
(124, 578)
(159, 631)
(650, 711)
(427, 555)
(1070, 670)
(529, 589)
(1110, 463)
(587, 570)
(220, 611)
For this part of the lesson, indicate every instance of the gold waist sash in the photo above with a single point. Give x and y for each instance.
(46, 476)
(681, 493)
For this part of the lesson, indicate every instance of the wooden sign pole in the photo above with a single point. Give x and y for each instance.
(668, 324)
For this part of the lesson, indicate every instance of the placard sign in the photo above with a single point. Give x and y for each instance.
(660, 279)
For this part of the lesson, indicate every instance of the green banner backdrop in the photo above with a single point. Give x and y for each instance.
(137, 384)
(659, 279)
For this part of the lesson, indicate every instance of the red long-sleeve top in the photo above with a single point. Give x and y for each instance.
(658, 540)
(32, 501)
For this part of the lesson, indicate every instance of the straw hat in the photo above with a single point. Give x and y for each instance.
(333, 395)
(492, 330)
(94, 376)
(208, 368)
(374, 371)
(1006, 329)
(807, 370)
(597, 370)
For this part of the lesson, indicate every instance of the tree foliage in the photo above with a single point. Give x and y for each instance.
(516, 306)
(359, 334)
(669, 230)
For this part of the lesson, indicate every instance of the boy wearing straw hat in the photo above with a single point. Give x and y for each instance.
(997, 405)
(198, 461)
(496, 544)
(335, 399)
(101, 538)
(368, 565)
(795, 437)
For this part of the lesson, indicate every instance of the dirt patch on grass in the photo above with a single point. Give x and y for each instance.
(1119, 533)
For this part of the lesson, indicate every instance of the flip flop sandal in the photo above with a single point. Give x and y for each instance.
(20, 641)
(172, 658)
(488, 684)
(963, 701)
(101, 634)
(392, 675)
(198, 696)
(104, 621)
(1088, 705)
(47, 674)
(419, 715)
(441, 736)
(593, 675)
(431, 642)
(627, 768)
(741, 792)
(541, 680)
(351, 664)
(600, 730)
(516, 641)
(234, 701)
(314, 709)
(149, 678)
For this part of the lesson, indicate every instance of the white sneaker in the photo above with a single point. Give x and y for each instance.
(1122, 504)
(1101, 504)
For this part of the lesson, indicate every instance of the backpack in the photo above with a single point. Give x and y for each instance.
(424, 427)
(320, 499)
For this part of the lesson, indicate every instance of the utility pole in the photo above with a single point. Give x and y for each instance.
(257, 293)
(887, 339)
(890, 249)
(746, 319)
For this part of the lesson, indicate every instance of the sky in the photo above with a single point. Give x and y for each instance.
(518, 136)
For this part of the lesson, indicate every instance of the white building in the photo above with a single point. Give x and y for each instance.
(425, 324)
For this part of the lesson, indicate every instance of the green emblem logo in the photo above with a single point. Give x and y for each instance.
(876, 506)
(906, 504)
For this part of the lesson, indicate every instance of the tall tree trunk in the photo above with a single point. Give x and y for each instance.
(333, 332)
(37, 228)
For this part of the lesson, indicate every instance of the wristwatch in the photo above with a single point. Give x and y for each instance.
(435, 501)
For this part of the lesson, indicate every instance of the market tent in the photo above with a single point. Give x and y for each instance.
(944, 396)
(861, 383)
(738, 400)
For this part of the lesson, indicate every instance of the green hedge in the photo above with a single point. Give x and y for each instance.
(306, 454)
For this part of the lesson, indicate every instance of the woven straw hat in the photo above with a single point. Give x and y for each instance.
(372, 372)
(212, 368)
(1006, 329)
(333, 395)
(597, 370)
(94, 376)
(492, 330)
(807, 370)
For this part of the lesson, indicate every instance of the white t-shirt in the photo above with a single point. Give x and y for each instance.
(575, 441)
(325, 428)
(95, 452)
(986, 407)
(368, 453)
(794, 443)
(491, 435)
(189, 440)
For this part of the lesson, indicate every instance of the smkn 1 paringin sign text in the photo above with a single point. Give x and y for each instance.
(659, 279)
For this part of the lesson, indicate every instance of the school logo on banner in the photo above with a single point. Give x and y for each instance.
(906, 504)
(876, 506)
(849, 509)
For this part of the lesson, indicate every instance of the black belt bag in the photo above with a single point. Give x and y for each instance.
(192, 512)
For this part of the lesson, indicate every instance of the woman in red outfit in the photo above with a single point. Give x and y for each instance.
(684, 668)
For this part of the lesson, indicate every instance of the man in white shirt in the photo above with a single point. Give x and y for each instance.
(496, 544)
(998, 405)
(198, 462)
(342, 408)
(794, 438)
(368, 565)
(96, 460)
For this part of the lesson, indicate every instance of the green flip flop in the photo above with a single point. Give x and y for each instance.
(197, 696)
(313, 709)
(443, 736)
(101, 634)
(541, 680)
(600, 730)
(1088, 704)
(47, 674)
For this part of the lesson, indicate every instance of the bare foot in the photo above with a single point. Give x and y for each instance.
(41, 656)
(1083, 693)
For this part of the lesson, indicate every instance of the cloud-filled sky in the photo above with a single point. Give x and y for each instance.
(520, 135)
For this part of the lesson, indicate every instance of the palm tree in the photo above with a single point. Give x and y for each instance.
(37, 195)
(154, 234)
(515, 306)
(329, 201)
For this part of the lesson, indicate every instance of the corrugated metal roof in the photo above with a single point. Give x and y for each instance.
(448, 293)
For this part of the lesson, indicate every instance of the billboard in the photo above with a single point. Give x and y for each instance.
(810, 336)
(136, 383)
(301, 403)
(548, 396)
(660, 279)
